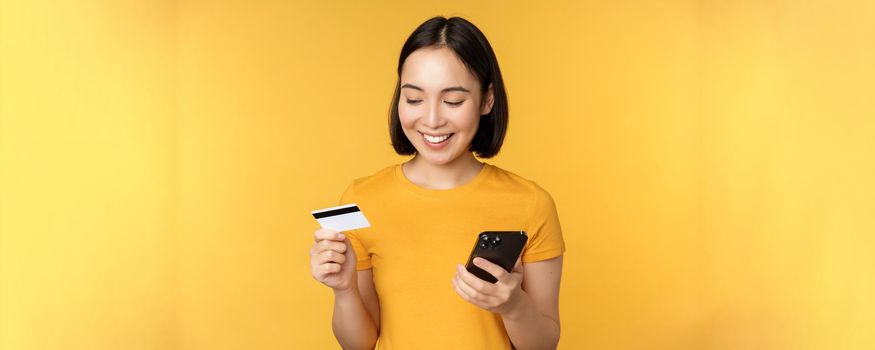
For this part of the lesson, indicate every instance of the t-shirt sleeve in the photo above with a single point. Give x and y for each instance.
(545, 233)
(363, 259)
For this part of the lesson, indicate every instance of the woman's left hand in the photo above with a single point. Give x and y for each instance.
(502, 297)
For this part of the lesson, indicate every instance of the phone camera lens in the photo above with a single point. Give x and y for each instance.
(484, 245)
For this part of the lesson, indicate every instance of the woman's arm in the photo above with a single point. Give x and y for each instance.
(356, 316)
(534, 324)
(529, 307)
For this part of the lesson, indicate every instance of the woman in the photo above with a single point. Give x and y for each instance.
(400, 281)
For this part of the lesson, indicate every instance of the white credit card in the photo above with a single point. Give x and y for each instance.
(342, 218)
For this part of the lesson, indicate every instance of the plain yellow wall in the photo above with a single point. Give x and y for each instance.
(711, 161)
(88, 175)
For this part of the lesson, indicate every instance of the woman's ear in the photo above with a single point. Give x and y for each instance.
(488, 100)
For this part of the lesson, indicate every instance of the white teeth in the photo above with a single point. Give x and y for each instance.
(437, 139)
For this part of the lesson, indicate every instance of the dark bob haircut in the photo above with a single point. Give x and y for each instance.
(471, 46)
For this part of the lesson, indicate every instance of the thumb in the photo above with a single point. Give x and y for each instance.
(518, 267)
(350, 254)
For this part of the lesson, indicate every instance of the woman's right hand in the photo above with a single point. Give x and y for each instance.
(332, 260)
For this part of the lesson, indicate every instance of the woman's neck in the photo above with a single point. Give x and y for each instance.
(443, 176)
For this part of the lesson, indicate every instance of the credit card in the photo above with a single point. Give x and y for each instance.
(342, 218)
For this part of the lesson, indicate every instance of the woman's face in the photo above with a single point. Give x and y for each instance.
(440, 104)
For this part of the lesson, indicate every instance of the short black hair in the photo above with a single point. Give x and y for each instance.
(471, 46)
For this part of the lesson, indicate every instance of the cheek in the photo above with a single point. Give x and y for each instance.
(466, 118)
(406, 115)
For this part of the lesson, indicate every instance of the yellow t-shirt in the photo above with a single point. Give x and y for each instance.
(419, 235)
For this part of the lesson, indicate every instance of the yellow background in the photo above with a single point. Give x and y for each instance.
(712, 163)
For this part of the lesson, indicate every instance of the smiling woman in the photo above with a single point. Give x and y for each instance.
(449, 104)
(449, 61)
(435, 109)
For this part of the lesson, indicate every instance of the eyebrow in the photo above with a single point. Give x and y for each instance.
(453, 88)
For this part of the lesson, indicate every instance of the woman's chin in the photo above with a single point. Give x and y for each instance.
(436, 158)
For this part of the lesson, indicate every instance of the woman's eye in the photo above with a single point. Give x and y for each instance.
(413, 102)
(454, 103)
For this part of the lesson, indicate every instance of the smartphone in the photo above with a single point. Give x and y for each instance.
(500, 247)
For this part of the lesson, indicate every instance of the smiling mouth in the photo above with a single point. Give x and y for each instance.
(437, 139)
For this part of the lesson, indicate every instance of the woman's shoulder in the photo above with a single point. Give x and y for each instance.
(511, 178)
(508, 179)
(376, 179)
(540, 201)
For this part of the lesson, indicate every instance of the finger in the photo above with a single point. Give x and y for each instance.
(457, 285)
(327, 233)
(475, 282)
(327, 269)
(471, 292)
(496, 271)
(336, 246)
(459, 291)
(331, 256)
(320, 271)
(325, 245)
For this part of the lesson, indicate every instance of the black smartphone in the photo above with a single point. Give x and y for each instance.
(500, 247)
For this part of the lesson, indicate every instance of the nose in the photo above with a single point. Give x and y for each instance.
(433, 119)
